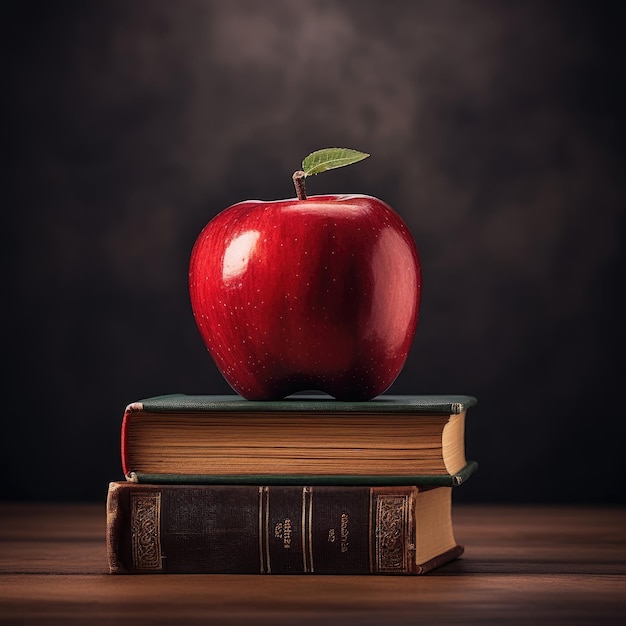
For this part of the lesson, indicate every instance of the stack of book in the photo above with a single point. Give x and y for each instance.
(220, 484)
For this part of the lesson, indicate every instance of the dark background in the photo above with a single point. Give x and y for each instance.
(496, 131)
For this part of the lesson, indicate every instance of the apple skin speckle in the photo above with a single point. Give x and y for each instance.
(321, 293)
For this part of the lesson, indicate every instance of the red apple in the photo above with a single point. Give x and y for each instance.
(319, 293)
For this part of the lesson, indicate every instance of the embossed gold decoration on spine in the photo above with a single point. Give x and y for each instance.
(146, 531)
(392, 522)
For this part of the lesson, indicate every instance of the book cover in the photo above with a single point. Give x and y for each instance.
(246, 529)
(425, 480)
(301, 440)
(386, 403)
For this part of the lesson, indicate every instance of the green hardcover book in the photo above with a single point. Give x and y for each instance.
(245, 529)
(302, 440)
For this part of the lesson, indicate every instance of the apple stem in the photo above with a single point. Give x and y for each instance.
(298, 181)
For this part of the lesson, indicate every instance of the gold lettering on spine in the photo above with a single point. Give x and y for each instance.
(392, 521)
(344, 532)
(145, 521)
(287, 534)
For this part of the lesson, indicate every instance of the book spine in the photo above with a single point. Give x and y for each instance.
(267, 530)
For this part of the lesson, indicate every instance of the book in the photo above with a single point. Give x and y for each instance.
(401, 440)
(276, 529)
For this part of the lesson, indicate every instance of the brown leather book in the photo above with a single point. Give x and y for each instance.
(278, 529)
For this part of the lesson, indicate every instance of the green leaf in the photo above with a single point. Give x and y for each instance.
(329, 159)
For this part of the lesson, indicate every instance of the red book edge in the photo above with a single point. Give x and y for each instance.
(135, 406)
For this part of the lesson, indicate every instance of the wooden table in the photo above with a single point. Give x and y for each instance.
(522, 565)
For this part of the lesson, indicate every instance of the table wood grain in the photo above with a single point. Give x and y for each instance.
(522, 565)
